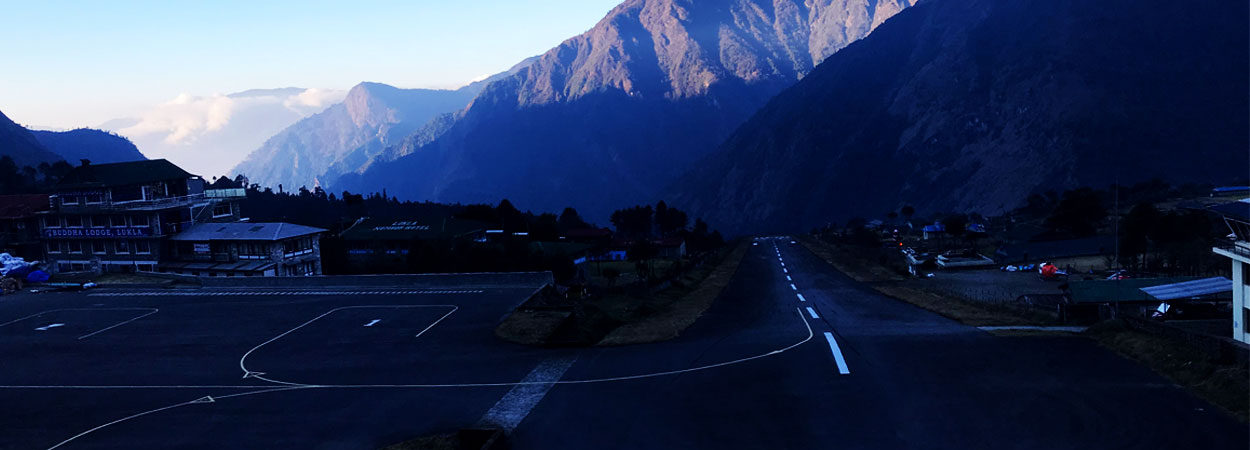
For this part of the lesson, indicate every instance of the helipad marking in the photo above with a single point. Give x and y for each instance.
(373, 322)
(49, 326)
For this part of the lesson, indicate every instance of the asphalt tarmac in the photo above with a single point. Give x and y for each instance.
(793, 355)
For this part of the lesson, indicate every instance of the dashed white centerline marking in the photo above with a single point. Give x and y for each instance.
(801, 299)
(837, 354)
(784, 270)
(51, 325)
(373, 322)
(812, 312)
(788, 278)
(792, 287)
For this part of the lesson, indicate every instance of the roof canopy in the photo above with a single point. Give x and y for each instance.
(1189, 289)
(122, 174)
(245, 231)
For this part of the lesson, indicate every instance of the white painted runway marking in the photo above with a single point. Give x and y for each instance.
(150, 311)
(788, 278)
(253, 374)
(812, 312)
(799, 311)
(518, 402)
(49, 326)
(792, 287)
(153, 311)
(373, 322)
(801, 299)
(783, 270)
(837, 354)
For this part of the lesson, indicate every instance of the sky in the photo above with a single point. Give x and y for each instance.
(67, 64)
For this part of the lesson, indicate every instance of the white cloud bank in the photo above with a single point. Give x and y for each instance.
(208, 135)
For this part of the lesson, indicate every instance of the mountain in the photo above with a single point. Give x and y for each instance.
(20, 144)
(350, 135)
(610, 116)
(971, 105)
(209, 134)
(84, 143)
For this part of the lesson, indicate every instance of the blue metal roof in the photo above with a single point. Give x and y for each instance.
(1188, 289)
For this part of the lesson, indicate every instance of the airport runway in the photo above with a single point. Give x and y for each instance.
(793, 355)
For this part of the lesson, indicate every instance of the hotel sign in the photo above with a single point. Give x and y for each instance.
(97, 232)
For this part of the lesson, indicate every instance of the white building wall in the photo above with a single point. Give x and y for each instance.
(1240, 291)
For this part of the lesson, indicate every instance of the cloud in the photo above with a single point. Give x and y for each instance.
(314, 100)
(209, 134)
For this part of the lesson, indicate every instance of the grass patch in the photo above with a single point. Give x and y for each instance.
(1225, 385)
(530, 327)
(886, 281)
(678, 307)
(619, 319)
(857, 268)
(439, 442)
(968, 312)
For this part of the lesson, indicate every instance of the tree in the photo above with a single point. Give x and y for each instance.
(956, 225)
(907, 211)
(1135, 232)
(669, 220)
(1078, 213)
(633, 222)
(570, 219)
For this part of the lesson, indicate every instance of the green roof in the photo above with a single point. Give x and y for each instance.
(122, 174)
(1114, 291)
(369, 229)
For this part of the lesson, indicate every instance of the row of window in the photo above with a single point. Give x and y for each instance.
(96, 221)
(298, 246)
(89, 199)
(80, 267)
(99, 247)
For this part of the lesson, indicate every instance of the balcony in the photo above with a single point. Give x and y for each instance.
(1239, 250)
(137, 205)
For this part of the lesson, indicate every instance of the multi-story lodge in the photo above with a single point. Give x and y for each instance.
(245, 249)
(118, 217)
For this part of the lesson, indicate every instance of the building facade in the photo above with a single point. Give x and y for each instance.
(19, 225)
(1237, 217)
(245, 249)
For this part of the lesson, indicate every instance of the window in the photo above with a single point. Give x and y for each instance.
(139, 221)
(53, 247)
(142, 247)
(222, 210)
(98, 247)
(123, 246)
(52, 222)
(75, 247)
(69, 200)
(1245, 274)
(117, 221)
(73, 221)
(94, 198)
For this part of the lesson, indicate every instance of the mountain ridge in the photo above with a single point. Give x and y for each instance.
(609, 116)
(971, 105)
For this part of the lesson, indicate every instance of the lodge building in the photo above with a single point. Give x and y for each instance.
(125, 217)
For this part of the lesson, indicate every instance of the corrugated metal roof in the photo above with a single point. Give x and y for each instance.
(245, 231)
(122, 174)
(1237, 210)
(1188, 289)
(1111, 291)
